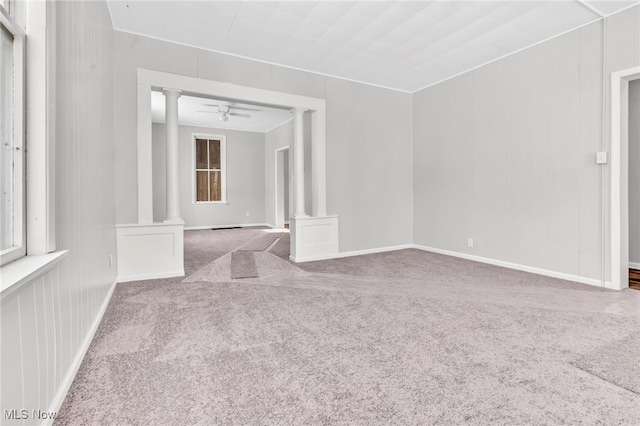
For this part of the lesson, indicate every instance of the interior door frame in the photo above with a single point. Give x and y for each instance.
(620, 176)
(278, 222)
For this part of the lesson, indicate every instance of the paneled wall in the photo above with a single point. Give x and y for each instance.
(368, 135)
(505, 154)
(245, 178)
(46, 321)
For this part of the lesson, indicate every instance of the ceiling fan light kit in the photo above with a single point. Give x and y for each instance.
(224, 111)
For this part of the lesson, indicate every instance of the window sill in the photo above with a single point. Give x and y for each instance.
(211, 203)
(20, 271)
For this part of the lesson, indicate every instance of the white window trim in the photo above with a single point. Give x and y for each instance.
(38, 105)
(223, 169)
(19, 248)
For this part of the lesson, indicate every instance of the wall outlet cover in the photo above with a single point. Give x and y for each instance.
(601, 157)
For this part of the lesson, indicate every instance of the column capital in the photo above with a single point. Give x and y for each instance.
(171, 92)
(294, 110)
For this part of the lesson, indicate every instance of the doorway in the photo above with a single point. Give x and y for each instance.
(282, 193)
(634, 184)
(621, 185)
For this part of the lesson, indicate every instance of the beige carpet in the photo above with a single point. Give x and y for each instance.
(243, 265)
(404, 337)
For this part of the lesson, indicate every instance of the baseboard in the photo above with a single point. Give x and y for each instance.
(352, 253)
(241, 225)
(56, 404)
(634, 265)
(129, 278)
(517, 266)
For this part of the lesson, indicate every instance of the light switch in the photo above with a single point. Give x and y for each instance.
(601, 157)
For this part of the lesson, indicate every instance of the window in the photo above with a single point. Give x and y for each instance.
(209, 166)
(12, 130)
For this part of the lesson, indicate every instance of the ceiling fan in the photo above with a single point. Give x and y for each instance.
(224, 111)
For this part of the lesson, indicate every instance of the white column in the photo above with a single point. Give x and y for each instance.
(298, 161)
(318, 165)
(145, 156)
(171, 119)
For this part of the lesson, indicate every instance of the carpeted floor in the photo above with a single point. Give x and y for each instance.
(404, 337)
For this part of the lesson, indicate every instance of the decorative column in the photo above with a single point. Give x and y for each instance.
(171, 119)
(318, 165)
(298, 161)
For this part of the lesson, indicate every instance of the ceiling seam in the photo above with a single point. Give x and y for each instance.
(508, 54)
(591, 8)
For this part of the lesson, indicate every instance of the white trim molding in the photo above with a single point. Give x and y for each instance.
(539, 271)
(148, 80)
(525, 268)
(634, 265)
(619, 225)
(356, 253)
(25, 269)
(41, 128)
(233, 225)
(279, 187)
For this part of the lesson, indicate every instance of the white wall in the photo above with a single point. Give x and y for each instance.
(504, 154)
(245, 178)
(46, 321)
(634, 171)
(368, 135)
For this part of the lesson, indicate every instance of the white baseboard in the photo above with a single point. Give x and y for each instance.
(56, 404)
(241, 225)
(634, 265)
(353, 253)
(516, 266)
(129, 278)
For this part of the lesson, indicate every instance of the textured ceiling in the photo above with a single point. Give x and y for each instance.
(197, 111)
(401, 45)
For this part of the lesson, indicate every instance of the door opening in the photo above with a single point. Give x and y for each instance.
(634, 184)
(620, 183)
(282, 195)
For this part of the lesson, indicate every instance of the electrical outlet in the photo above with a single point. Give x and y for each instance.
(470, 242)
(246, 214)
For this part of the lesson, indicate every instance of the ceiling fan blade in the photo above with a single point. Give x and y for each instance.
(236, 114)
(209, 112)
(211, 105)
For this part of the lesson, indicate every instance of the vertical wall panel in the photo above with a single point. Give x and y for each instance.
(13, 386)
(28, 328)
(591, 241)
(45, 321)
